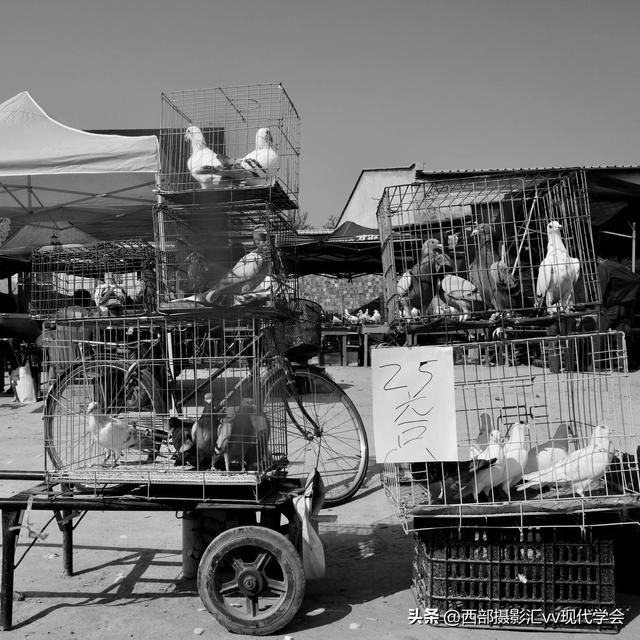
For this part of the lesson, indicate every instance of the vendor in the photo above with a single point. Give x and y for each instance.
(620, 289)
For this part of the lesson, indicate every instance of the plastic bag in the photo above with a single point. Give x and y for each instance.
(307, 506)
(22, 383)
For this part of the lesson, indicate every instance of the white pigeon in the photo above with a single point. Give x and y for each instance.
(110, 297)
(542, 456)
(461, 294)
(414, 313)
(336, 320)
(375, 316)
(112, 434)
(557, 274)
(247, 273)
(582, 469)
(204, 164)
(350, 318)
(492, 476)
(262, 162)
(516, 452)
(482, 439)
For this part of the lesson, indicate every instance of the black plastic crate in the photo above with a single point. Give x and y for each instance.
(554, 577)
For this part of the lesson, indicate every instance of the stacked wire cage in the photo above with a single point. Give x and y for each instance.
(108, 278)
(188, 389)
(230, 144)
(491, 249)
(164, 400)
(547, 471)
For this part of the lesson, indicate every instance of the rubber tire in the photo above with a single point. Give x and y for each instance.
(338, 496)
(289, 561)
(152, 390)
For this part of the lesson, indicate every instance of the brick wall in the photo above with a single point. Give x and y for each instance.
(337, 294)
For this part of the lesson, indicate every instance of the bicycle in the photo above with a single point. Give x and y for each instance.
(132, 368)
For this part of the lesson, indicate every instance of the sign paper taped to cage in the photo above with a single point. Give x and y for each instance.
(414, 413)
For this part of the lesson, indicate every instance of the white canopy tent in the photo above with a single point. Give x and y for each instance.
(52, 175)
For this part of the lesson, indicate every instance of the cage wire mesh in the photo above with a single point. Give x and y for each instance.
(542, 423)
(253, 132)
(487, 248)
(113, 278)
(221, 257)
(194, 400)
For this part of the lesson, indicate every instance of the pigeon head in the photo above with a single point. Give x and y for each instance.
(483, 230)
(92, 407)
(495, 436)
(554, 225)
(264, 138)
(429, 246)
(194, 135)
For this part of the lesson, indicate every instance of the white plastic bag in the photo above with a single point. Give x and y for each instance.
(24, 388)
(307, 506)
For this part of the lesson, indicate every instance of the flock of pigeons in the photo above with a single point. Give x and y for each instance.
(210, 169)
(510, 465)
(441, 284)
(235, 441)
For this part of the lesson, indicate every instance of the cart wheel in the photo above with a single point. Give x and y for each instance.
(251, 580)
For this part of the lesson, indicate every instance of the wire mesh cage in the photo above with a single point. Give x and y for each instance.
(230, 139)
(220, 257)
(113, 278)
(509, 578)
(160, 400)
(488, 248)
(542, 424)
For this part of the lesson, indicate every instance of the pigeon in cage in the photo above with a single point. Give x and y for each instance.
(147, 288)
(197, 271)
(516, 454)
(242, 436)
(505, 288)
(582, 469)
(260, 163)
(490, 273)
(417, 286)
(487, 478)
(112, 434)
(247, 273)
(110, 297)
(258, 296)
(205, 165)
(461, 295)
(204, 435)
(557, 274)
(542, 456)
(181, 441)
(482, 439)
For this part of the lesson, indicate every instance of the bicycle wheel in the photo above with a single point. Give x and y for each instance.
(339, 450)
(132, 396)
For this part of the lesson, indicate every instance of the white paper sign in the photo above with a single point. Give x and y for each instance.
(414, 413)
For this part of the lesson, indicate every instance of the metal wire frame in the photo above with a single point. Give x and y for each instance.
(153, 379)
(229, 118)
(561, 387)
(491, 235)
(199, 245)
(108, 278)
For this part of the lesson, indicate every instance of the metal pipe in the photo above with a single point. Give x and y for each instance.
(16, 474)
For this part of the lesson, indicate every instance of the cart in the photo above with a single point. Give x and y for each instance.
(250, 575)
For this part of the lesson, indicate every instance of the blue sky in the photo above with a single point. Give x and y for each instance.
(447, 84)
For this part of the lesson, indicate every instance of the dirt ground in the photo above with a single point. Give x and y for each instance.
(128, 579)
